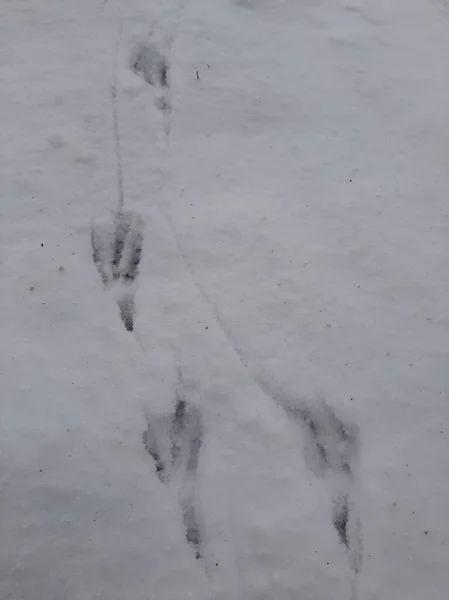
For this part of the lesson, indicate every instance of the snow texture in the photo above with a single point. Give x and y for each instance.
(225, 337)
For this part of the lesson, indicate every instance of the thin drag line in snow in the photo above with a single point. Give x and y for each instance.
(117, 142)
(118, 150)
(212, 306)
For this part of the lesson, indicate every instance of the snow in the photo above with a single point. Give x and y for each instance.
(291, 183)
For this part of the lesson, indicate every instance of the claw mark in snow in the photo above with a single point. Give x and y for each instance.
(340, 520)
(174, 443)
(188, 492)
(152, 451)
(125, 303)
(177, 428)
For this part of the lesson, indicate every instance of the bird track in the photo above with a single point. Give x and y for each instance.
(149, 63)
(331, 452)
(174, 442)
(116, 253)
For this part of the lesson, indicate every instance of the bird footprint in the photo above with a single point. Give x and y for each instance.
(116, 253)
(174, 442)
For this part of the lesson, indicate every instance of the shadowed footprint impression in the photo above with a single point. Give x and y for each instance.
(148, 62)
(116, 252)
(331, 452)
(174, 442)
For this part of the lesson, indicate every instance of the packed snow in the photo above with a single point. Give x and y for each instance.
(225, 304)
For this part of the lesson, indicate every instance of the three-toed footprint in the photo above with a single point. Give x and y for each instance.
(116, 252)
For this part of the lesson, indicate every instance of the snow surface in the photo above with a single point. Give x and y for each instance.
(292, 181)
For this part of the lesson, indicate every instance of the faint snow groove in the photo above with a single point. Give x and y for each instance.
(118, 150)
(210, 303)
(117, 140)
(174, 442)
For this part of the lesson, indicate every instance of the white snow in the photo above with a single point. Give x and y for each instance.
(296, 210)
